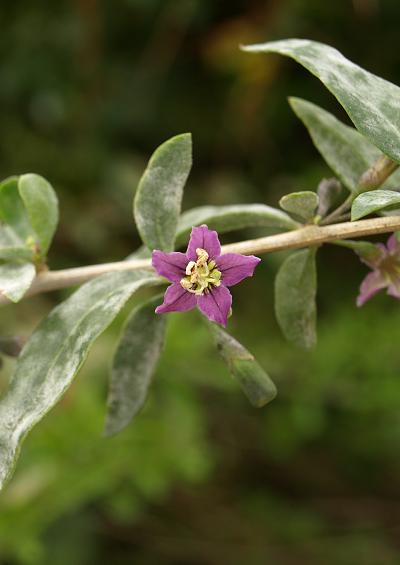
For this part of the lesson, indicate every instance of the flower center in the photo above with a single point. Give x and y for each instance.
(390, 267)
(201, 275)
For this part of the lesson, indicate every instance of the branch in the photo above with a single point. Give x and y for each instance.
(305, 236)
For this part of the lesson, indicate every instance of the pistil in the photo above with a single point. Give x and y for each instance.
(201, 275)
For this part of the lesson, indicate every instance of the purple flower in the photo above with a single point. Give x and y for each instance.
(385, 265)
(200, 276)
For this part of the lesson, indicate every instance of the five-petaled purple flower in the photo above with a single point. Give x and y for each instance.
(200, 276)
(385, 265)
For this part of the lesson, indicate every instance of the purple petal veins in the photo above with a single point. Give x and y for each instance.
(203, 238)
(216, 304)
(170, 265)
(234, 267)
(201, 276)
(176, 299)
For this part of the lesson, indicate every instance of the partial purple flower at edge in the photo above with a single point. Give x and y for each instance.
(200, 276)
(385, 272)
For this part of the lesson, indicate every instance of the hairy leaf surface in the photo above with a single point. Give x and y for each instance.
(134, 363)
(244, 368)
(372, 103)
(54, 354)
(295, 293)
(158, 199)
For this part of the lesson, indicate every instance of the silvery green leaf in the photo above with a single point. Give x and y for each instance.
(55, 352)
(134, 363)
(302, 204)
(372, 103)
(234, 217)
(15, 279)
(374, 201)
(41, 204)
(157, 203)
(244, 368)
(295, 294)
(347, 152)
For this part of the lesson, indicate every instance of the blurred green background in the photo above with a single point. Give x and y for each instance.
(88, 89)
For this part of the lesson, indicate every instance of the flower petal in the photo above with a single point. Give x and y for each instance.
(216, 304)
(203, 238)
(393, 245)
(169, 265)
(372, 283)
(394, 289)
(176, 299)
(235, 267)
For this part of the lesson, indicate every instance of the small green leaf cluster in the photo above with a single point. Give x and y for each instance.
(28, 220)
(373, 105)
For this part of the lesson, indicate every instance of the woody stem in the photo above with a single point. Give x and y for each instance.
(306, 236)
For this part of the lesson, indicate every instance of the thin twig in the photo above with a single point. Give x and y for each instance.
(373, 178)
(303, 237)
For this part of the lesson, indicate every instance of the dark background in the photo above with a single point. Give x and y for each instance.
(88, 89)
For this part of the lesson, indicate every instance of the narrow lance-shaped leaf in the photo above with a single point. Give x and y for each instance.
(372, 103)
(134, 363)
(302, 204)
(244, 368)
(157, 203)
(41, 205)
(295, 293)
(348, 153)
(15, 279)
(234, 217)
(374, 201)
(54, 354)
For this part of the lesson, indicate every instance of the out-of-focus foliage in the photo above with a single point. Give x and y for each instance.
(87, 90)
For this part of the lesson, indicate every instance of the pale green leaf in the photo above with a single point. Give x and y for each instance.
(244, 368)
(134, 363)
(15, 279)
(347, 152)
(157, 203)
(41, 205)
(234, 217)
(13, 214)
(374, 201)
(54, 354)
(295, 293)
(302, 204)
(372, 103)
